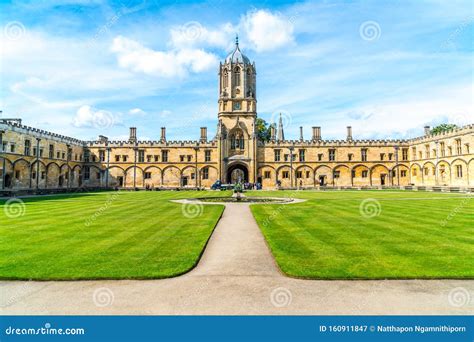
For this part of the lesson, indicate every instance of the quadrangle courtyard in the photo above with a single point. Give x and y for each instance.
(343, 240)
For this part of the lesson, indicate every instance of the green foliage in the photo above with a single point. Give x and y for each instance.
(443, 128)
(263, 129)
(238, 188)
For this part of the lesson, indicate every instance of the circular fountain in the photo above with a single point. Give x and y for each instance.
(241, 199)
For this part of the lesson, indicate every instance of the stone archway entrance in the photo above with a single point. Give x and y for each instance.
(237, 173)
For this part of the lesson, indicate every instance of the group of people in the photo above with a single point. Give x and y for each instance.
(252, 186)
(246, 186)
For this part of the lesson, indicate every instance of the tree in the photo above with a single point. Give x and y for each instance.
(263, 130)
(443, 128)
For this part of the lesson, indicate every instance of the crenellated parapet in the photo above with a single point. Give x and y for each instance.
(15, 126)
(152, 143)
(428, 137)
(335, 143)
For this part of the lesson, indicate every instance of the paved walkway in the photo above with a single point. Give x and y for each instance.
(237, 275)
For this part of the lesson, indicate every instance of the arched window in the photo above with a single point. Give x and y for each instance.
(237, 140)
(237, 76)
(226, 79)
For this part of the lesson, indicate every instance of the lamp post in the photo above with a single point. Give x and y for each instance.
(396, 165)
(196, 149)
(37, 161)
(291, 148)
(107, 170)
(68, 157)
(135, 149)
(4, 170)
(436, 166)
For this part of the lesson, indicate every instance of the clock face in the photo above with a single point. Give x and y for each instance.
(237, 105)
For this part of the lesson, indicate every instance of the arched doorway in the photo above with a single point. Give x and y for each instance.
(8, 180)
(237, 173)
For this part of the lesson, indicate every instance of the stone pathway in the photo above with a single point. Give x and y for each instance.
(237, 275)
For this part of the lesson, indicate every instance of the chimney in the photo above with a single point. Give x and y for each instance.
(163, 134)
(203, 134)
(349, 133)
(103, 139)
(133, 134)
(301, 133)
(272, 132)
(316, 133)
(427, 130)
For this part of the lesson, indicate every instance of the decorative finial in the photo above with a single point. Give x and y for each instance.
(237, 40)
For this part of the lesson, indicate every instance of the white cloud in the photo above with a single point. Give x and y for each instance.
(137, 112)
(165, 113)
(409, 114)
(267, 31)
(89, 117)
(194, 34)
(134, 56)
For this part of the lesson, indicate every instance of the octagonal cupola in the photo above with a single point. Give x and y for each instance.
(237, 83)
(236, 56)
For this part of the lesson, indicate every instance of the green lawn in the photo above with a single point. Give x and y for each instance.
(106, 235)
(415, 235)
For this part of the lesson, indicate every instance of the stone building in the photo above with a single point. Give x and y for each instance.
(33, 159)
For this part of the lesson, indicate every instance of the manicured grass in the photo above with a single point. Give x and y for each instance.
(112, 235)
(415, 235)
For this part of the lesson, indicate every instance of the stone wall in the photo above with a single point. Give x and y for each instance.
(35, 159)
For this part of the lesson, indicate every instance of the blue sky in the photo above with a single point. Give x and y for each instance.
(85, 68)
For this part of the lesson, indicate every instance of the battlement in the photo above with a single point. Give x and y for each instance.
(16, 126)
(336, 143)
(453, 132)
(152, 143)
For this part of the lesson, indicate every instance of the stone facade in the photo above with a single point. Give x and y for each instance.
(33, 159)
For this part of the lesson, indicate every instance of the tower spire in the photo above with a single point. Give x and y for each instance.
(236, 40)
(280, 134)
